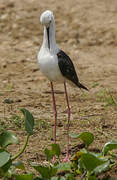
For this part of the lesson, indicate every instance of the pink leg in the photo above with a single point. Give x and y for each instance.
(55, 112)
(68, 125)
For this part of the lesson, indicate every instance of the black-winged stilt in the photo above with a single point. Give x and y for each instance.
(56, 66)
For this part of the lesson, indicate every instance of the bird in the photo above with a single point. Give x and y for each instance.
(56, 66)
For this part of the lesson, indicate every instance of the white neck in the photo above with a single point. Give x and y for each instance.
(52, 39)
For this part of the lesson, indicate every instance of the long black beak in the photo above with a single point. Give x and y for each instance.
(48, 37)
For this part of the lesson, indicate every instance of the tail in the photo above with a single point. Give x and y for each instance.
(82, 86)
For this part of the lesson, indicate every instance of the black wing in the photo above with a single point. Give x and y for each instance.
(67, 68)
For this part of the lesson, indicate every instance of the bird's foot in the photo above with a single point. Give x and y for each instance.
(66, 159)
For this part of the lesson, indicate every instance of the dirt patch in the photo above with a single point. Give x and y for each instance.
(86, 30)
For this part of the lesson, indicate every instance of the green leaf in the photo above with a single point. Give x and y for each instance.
(19, 165)
(55, 178)
(45, 171)
(49, 154)
(29, 121)
(5, 168)
(102, 168)
(81, 167)
(23, 176)
(63, 167)
(109, 146)
(7, 138)
(58, 178)
(72, 135)
(86, 137)
(69, 176)
(77, 155)
(55, 150)
(4, 157)
(90, 161)
(92, 178)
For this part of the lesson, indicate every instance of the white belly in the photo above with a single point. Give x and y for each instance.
(48, 65)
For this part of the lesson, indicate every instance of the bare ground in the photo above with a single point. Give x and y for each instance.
(87, 31)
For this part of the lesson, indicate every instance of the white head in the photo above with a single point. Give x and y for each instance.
(46, 18)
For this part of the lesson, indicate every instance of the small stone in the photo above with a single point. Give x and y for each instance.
(4, 65)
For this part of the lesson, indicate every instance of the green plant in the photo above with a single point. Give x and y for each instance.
(85, 164)
(10, 87)
(17, 121)
(7, 165)
(90, 164)
(95, 84)
(107, 97)
(41, 124)
(110, 100)
(55, 170)
(3, 125)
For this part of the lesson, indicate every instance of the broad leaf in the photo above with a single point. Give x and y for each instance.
(4, 157)
(29, 121)
(77, 155)
(90, 161)
(19, 165)
(92, 178)
(23, 176)
(5, 168)
(50, 153)
(109, 146)
(56, 149)
(86, 137)
(102, 168)
(7, 138)
(45, 171)
(58, 178)
(81, 166)
(69, 176)
(63, 167)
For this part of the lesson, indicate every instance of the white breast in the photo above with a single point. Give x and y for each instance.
(48, 64)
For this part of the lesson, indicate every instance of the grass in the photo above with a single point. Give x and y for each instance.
(110, 100)
(14, 122)
(95, 84)
(41, 124)
(10, 87)
(106, 97)
(3, 124)
(17, 121)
